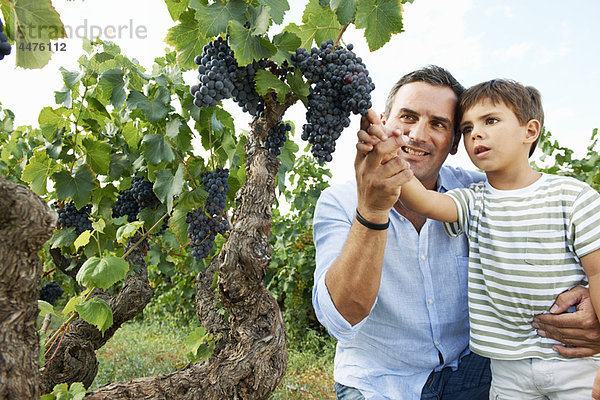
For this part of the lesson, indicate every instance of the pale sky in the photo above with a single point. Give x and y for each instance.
(551, 45)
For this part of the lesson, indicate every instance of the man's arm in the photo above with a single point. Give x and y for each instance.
(354, 277)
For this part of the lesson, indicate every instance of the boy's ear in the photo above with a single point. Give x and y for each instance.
(533, 131)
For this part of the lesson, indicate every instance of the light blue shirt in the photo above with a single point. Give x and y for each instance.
(421, 307)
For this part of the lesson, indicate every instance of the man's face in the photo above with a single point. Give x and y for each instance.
(425, 113)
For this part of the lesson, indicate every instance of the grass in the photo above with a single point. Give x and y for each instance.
(145, 349)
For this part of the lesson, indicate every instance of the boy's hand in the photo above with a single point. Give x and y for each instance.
(579, 332)
(372, 131)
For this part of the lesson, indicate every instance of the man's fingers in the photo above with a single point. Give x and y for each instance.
(363, 148)
(364, 137)
(573, 352)
(568, 299)
(370, 118)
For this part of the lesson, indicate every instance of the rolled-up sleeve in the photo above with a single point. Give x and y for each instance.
(332, 221)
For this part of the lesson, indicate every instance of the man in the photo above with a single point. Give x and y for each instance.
(390, 285)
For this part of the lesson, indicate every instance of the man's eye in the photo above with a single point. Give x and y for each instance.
(407, 117)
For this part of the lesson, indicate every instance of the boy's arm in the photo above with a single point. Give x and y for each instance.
(591, 266)
(428, 203)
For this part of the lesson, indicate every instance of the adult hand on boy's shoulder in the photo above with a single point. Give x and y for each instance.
(578, 331)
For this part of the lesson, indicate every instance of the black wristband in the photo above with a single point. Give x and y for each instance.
(371, 225)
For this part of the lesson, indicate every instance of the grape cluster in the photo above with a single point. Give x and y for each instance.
(340, 85)
(277, 137)
(4, 45)
(202, 231)
(221, 78)
(50, 292)
(244, 93)
(143, 193)
(216, 65)
(132, 200)
(215, 183)
(204, 225)
(69, 215)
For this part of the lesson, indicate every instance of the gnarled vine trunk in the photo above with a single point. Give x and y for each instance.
(75, 360)
(26, 223)
(251, 357)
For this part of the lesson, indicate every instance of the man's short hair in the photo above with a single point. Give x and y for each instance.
(432, 74)
(524, 101)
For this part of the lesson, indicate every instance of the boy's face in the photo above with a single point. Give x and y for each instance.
(425, 113)
(494, 138)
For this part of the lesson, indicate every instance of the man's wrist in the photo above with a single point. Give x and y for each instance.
(377, 226)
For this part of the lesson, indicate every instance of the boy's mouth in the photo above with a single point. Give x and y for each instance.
(480, 150)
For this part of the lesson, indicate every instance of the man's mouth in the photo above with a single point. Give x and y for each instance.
(413, 152)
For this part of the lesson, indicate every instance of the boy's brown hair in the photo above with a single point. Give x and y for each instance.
(524, 101)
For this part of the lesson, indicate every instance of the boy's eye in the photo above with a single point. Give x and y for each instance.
(466, 130)
(491, 121)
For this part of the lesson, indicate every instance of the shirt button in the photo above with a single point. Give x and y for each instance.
(437, 342)
(423, 257)
(430, 301)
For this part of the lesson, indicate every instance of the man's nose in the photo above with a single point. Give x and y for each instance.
(418, 132)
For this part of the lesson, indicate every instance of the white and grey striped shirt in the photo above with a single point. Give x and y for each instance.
(524, 250)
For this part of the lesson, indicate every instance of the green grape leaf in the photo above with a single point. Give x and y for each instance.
(45, 308)
(286, 43)
(102, 272)
(98, 155)
(300, 88)
(167, 186)
(71, 78)
(187, 39)
(132, 136)
(380, 18)
(193, 199)
(82, 240)
(344, 9)
(112, 85)
(180, 134)
(248, 47)
(32, 23)
(320, 24)
(96, 312)
(259, 19)
(266, 81)
(200, 345)
(156, 149)
(78, 187)
(176, 7)
(153, 110)
(62, 392)
(179, 225)
(64, 97)
(214, 18)
(125, 232)
(37, 171)
(63, 237)
(278, 9)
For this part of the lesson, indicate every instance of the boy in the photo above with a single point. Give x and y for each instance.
(531, 237)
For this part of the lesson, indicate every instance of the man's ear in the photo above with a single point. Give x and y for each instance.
(533, 131)
(455, 143)
(382, 118)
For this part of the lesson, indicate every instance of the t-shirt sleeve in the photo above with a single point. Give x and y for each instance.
(463, 198)
(585, 222)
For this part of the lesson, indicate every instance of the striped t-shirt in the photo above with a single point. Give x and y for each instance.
(524, 250)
